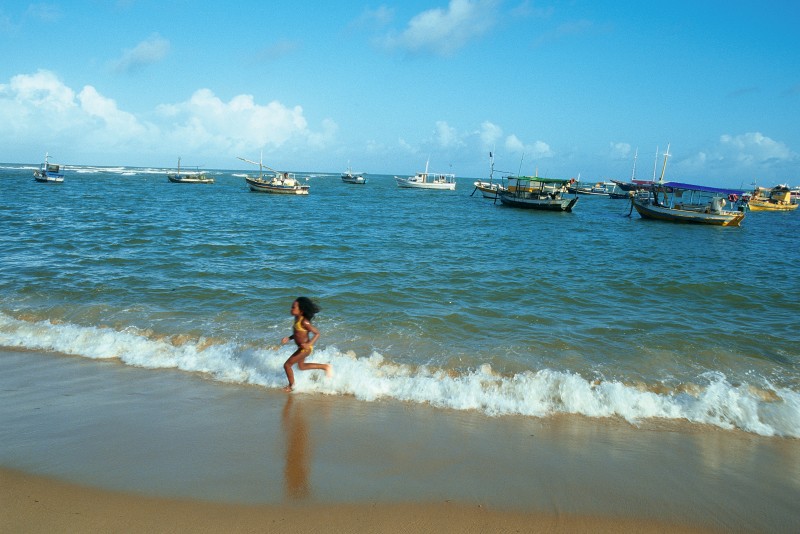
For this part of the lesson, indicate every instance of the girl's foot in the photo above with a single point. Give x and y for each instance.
(288, 389)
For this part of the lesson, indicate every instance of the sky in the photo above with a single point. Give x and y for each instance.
(559, 88)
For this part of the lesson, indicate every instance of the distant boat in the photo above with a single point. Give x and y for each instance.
(189, 178)
(599, 188)
(779, 198)
(535, 192)
(48, 173)
(428, 180)
(281, 183)
(350, 177)
(688, 203)
(634, 184)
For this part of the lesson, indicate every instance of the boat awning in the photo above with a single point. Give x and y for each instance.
(539, 179)
(704, 188)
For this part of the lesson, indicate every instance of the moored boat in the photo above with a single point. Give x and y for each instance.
(535, 192)
(428, 180)
(350, 177)
(488, 189)
(281, 183)
(48, 173)
(779, 198)
(189, 178)
(687, 203)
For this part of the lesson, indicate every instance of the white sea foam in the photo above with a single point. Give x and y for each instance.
(540, 393)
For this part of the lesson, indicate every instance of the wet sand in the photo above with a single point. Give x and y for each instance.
(92, 445)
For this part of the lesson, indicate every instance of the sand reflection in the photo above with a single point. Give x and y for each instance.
(296, 472)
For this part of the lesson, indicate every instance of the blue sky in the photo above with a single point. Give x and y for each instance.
(565, 88)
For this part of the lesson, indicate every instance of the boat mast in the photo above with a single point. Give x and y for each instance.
(635, 155)
(664, 168)
(655, 164)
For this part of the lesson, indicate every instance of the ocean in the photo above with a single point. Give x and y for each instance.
(436, 298)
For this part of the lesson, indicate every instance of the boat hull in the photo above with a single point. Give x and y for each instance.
(261, 186)
(544, 204)
(47, 177)
(754, 205)
(487, 189)
(354, 179)
(178, 179)
(410, 184)
(663, 213)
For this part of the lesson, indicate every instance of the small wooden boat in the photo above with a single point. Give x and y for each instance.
(535, 192)
(281, 183)
(488, 189)
(428, 180)
(687, 203)
(189, 178)
(48, 173)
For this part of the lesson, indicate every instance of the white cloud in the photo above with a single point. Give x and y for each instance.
(539, 149)
(619, 150)
(240, 124)
(151, 50)
(753, 148)
(490, 133)
(444, 31)
(381, 16)
(447, 136)
(39, 109)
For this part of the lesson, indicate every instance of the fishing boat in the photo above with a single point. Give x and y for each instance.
(350, 177)
(779, 198)
(535, 192)
(598, 189)
(634, 184)
(189, 178)
(48, 173)
(281, 183)
(488, 189)
(688, 203)
(428, 180)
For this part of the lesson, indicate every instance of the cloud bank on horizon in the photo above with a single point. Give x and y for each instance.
(388, 87)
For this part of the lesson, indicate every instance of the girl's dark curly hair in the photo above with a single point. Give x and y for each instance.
(308, 307)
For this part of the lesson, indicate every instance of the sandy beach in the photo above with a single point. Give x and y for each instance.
(95, 445)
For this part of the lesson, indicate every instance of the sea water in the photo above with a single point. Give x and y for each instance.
(436, 297)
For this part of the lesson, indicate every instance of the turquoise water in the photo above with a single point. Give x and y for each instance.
(427, 296)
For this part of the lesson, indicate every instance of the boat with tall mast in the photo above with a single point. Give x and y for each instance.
(189, 177)
(688, 203)
(281, 183)
(488, 189)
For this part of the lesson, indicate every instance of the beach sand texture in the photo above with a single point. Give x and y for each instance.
(95, 445)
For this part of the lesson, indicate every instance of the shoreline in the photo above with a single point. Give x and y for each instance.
(38, 504)
(143, 440)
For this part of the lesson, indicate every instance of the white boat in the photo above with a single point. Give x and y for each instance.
(48, 173)
(189, 178)
(488, 189)
(535, 192)
(350, 177)
(281, 183)
(688, 203)
(428, 180)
